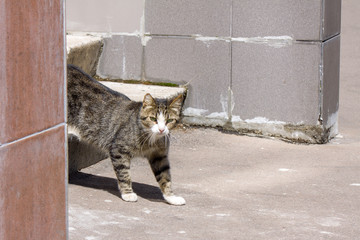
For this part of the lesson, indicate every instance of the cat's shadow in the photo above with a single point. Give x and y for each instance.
(145, 191)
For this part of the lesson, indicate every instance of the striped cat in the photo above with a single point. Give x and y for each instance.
(124, 129)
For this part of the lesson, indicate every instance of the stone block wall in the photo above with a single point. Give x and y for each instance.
(255, 66)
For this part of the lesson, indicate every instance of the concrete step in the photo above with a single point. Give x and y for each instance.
(84, 51)
(136, 92)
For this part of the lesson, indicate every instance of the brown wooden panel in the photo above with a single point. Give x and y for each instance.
(32, 187)
(31, 67)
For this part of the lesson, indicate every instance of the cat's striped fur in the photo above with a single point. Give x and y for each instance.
(124, 128)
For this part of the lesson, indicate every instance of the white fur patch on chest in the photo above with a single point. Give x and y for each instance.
(73, 130)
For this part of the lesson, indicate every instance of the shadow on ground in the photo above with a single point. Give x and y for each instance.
(108, 184)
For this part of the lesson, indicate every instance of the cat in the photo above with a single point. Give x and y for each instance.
(124, 129)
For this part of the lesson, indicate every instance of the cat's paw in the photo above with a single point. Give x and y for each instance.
(129, 197)
(175, 200)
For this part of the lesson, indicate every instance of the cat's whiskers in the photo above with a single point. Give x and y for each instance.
(144, 137)
(147, 137)
(152, 140)
(167, 139)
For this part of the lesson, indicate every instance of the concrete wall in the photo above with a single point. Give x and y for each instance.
(256, 66)
(110, 16)
(32, 120)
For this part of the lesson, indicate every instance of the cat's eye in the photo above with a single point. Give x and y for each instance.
(153, 119)
(170, 120)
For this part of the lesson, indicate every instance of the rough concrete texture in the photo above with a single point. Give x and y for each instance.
(235, 187)
(104, 16)
(121, 57)
(136, 92)
(330, 81)
(287, 78)
(299, 87)
(301, 20)
(187, 17)
(204, 65)
(331, 23)
(273, 60)
(239, 187)
(84, 52)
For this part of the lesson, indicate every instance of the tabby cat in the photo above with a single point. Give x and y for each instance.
(124, 129)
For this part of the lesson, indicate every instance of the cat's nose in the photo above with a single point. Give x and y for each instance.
(161, 130)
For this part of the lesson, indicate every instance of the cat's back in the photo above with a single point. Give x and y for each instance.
(80, 83)
(96, 111)
(91, 101)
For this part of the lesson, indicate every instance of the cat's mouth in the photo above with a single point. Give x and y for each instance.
(153, 136)
(161, 134)
(160, 131)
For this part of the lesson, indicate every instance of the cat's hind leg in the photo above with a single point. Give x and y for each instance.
(121, 164)
(161, 169)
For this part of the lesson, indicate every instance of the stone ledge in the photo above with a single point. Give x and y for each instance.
(84, 52)
(136, 92)
(293, 133)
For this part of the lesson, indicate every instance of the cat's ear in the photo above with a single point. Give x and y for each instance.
(176, 104)
(148, 101)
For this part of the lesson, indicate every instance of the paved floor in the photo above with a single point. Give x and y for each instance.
(239, 187)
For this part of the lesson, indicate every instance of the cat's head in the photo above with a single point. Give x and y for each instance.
(160, 115)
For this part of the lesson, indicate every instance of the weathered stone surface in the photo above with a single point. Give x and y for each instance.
(84, 52)
(121, 58)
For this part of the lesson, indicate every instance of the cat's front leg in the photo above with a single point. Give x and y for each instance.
(121, 164)
(161, 169)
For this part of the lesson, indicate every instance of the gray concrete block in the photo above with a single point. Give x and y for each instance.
(84, 51)
(300, 20)
(104, 16)
(187, 17)
(136, 92)
(121, 58)
(332, 18)
(276, 83)
(205, 65)
(330, 84)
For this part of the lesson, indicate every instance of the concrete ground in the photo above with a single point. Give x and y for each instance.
(239, 187)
